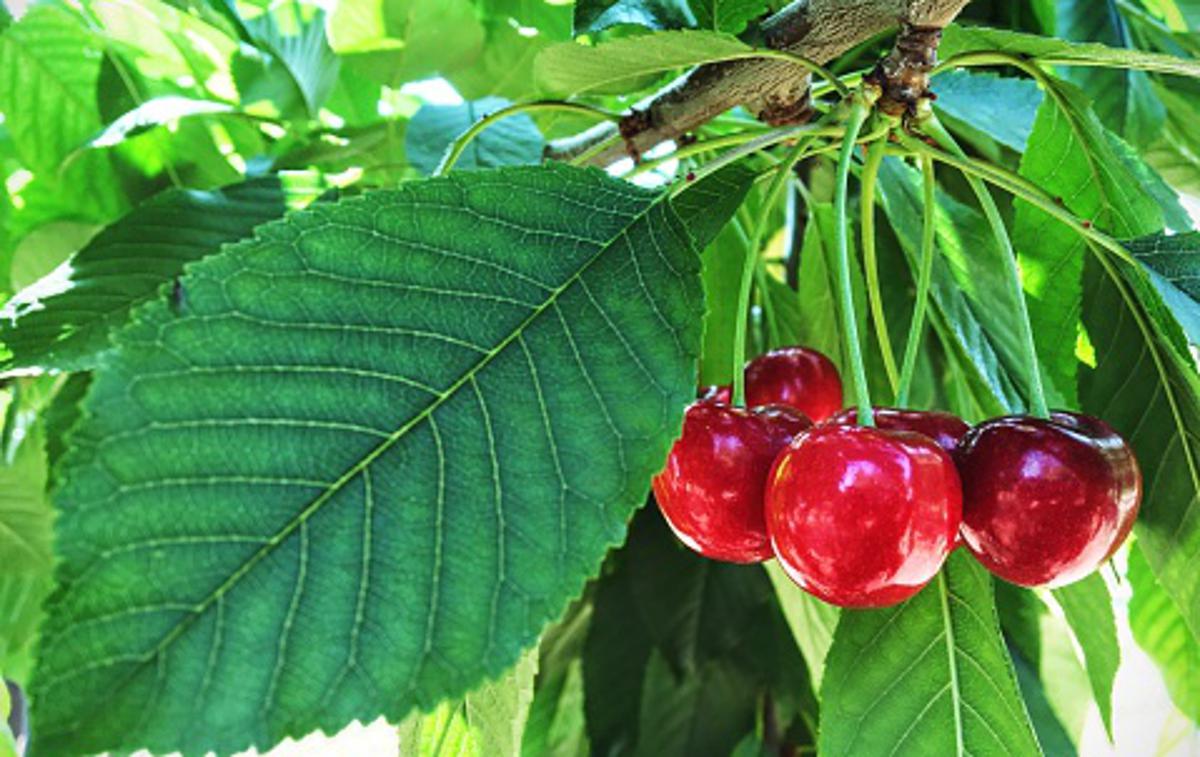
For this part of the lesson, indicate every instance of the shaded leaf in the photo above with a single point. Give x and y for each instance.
(1004, 107)
(65, 320)
(1160, 629)
(25, 548)
(510, 142)
(293, 33)
(929, 676)
(446, 425)
(598, 15)
(812, 621)
(1174, 265)
(1088, 608)
(730, 16)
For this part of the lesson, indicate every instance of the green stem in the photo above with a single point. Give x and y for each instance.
(924, 277)
(460, 144)
(779, 181)
(741, 222)
(870, 175)
(696, 148)
(1037, 392)
(858, 371)
(758, 143)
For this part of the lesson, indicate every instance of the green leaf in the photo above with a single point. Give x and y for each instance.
(707, 205)
(1173, 262)
(25, 547)
(571, 68)
(488, 721)
(556, 719)
(395, 41)
(1004, 107)
(929, 676)
(1070, 156)
(1176, 154)
(961, 39)
(598, 15)
(364, 430)
(1054, 739)
(705, 712)
(48, 72)
(1144, 383)
(512, 141)
(812, 621)
(978, 333)
(61, 415)
(65, 320)
(1124, 99)
(293, 33)
(1088, 608)
(1160, 629)
(730, 16)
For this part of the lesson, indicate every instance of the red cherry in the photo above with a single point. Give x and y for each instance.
(796, 376)
(1047, 501)
(711, 490)
(863, 517)
(945, 429)
(722, 393)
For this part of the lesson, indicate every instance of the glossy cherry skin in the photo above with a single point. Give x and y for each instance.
(798, 377)
(944, 428)
(711, 490)
(863, 517)
(1047, 501)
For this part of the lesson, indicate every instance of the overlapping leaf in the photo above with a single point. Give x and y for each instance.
(1160, 629)
(399, 426)
(510, 142)
(1088, 608)
(929, 676)
(65, 320)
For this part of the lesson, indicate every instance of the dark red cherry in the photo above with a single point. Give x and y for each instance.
(711, 490)
(795, 376)
(944, 428)
(863, 517)
(1047, 501)
(722, 393)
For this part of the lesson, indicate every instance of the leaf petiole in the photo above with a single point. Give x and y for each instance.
(924, 277)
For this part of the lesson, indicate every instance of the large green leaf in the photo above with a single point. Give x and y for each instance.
(1145, 384)
(399, 426)
(1071, 156)
(48, 72)
(929, 676)
(65, 320)
(487, 722)
(570, 68)
(961, 39)
(1159, 628)
(1124, 99)
(1088, 608)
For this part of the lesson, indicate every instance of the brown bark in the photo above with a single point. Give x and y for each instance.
(775, 91)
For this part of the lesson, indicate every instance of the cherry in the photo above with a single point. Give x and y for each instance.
(863, 517)
(1047, 501)
(722, 393)
(711, 490)
(796, 376)
(945, 429)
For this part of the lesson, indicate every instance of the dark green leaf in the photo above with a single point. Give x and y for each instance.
(512, 141)
(1174, 266)
(597, 15)
(293, 34)
(707, 205)
(929, 676)
(1124, 100)
(1144, 383)
(65, 320)
(812, 621)
(1070, 155)
(1160, 629)
(707, 711)
(1053, 738)
(453, 352)
(61, 415)
(1088, 608)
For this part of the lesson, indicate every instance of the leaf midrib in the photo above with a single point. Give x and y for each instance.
(313, 507)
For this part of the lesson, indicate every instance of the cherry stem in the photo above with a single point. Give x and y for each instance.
(459, 145)
(860, 108)
(870, 177)
(750, 265)
(924, 278)
(1037, 392)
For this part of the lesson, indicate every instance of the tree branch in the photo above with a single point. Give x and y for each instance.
(775, 91)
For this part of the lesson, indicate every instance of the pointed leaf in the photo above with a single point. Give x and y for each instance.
(513, 141)
(1159, 628)
(1174, 265)
(930, 676)
(1088, 608)
(398, 426)
(65, 320)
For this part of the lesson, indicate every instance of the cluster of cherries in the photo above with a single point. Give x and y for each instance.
(865, 516)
